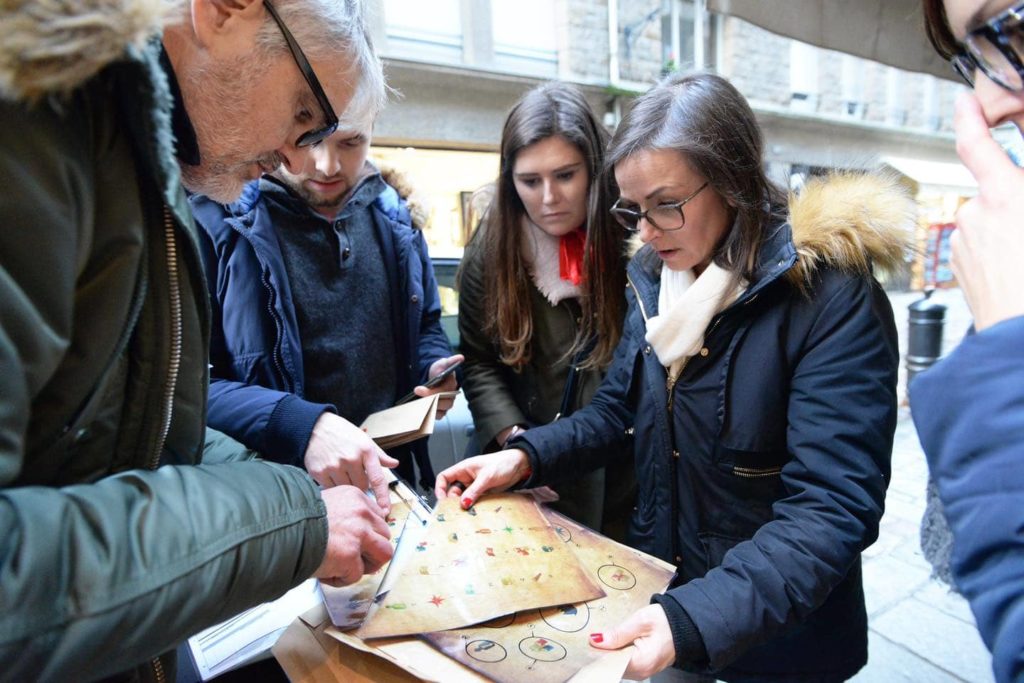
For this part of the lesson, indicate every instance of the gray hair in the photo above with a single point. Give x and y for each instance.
(327, 27)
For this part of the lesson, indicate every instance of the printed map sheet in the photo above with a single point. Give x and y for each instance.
(552, 644)
(472, 565)
(349, 605)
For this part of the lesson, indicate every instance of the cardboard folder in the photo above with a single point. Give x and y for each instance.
(401, 424)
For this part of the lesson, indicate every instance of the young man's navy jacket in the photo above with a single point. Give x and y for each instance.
(256, 386)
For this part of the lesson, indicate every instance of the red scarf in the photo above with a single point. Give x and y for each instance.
(570, 256)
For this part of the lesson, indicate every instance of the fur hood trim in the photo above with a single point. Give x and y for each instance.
(850, 221)
(853, 222)
(418, 210)
(53, 46)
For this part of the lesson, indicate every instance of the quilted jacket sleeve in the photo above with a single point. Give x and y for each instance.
(969, 412)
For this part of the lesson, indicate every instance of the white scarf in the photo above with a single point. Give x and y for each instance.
(685, 307)
(540, 251)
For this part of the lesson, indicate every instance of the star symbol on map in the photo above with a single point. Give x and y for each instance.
(508, 529)
(437, 600)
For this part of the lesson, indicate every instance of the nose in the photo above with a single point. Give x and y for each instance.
(551, 192)
(291, 158)
(646, 231)
(326, 159)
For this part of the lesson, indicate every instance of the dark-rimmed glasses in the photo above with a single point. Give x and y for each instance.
(997, 48)
(330, 120)
(664, 217)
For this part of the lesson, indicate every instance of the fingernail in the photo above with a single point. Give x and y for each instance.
(467, 503)
(597, 637)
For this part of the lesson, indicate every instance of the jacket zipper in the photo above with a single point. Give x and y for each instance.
(172, 368)
(174, 363)
(275, 355)
(755, 473)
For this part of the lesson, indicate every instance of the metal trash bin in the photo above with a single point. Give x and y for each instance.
(924, 334)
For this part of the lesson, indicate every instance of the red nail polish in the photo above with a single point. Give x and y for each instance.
(597, 637)
(467, 503)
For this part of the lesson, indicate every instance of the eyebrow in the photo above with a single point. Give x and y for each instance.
(560, 169)
(662, 188)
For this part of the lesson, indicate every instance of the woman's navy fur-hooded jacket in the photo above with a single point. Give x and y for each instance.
(762, 474)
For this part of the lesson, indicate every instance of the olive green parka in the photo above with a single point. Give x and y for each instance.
(125, 525)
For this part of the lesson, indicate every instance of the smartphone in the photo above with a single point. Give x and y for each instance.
(433, 382)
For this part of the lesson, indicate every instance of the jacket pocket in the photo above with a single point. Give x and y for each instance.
(715, 547)
(751, 464)
(741, 487)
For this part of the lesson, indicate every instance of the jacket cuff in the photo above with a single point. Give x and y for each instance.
(289, 428)
(686, 638)
(534, 480)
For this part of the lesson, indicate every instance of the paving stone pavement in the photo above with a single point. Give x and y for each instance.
(918, 630)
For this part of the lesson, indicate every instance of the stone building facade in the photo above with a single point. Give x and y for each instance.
(461, 64)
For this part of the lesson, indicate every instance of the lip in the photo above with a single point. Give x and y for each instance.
(555, 214)
(667, 253)
(321, 186)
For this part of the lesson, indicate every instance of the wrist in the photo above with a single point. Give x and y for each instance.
(523, 470)
(513, 431)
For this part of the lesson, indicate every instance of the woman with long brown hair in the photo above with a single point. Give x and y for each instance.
(541, 289)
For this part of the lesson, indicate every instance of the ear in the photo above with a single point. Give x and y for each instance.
(227, 25)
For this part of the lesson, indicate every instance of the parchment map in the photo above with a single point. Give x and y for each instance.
(472, 565)
(349, 605)
(552, 644)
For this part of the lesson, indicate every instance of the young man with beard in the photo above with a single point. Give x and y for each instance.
(325, 309)
(126, 525)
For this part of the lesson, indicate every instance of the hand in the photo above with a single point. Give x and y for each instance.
(647, 629)
(988, 246)
(340, 453)
(358, 537)
(451, 383)
(475, 476)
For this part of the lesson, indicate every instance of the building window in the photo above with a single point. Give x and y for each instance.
(524, 36)
(803, 77)
(424, 31)
(685, 43)
(895, 109)
(852, 86)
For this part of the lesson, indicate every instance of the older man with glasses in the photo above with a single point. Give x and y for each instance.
(127, 525)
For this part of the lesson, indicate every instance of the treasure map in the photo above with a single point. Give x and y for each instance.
(472, 565)
(552, 643)
(349, 605)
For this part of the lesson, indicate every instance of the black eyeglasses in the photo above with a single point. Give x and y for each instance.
(997, 48)
(330, 120)
(664, 217)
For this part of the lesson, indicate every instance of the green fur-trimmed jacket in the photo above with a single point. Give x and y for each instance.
(125, 525)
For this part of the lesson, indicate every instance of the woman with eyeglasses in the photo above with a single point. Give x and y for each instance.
(541, 291)
(757, 369)
(969, 407)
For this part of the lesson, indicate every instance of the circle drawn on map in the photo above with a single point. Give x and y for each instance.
(486, 651)
(563, 533)
(566, 618)
(542, 649)
(614, 576)
(499, 622)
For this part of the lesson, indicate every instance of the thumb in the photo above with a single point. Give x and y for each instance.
(619, 636)
(979, 152)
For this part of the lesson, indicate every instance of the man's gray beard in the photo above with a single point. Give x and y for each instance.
(219, 186)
